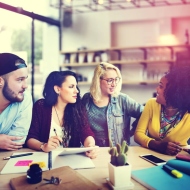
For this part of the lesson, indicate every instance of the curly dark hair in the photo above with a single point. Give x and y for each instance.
(75, 113)
(177, 91)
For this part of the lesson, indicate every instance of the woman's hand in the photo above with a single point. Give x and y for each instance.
(173, 148)
(170, 148)
(52, 144)
(92, 153)
(89, 142)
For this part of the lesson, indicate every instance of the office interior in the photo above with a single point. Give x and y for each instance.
(83, 25)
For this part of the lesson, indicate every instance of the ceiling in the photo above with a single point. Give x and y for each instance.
(84, 6)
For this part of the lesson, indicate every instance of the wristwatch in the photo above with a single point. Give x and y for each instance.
(41, 146)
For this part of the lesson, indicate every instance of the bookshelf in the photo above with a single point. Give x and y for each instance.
(152, 60)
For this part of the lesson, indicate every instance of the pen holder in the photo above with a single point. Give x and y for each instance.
(34, 174)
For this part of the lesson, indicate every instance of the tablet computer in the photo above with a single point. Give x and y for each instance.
(76, 150)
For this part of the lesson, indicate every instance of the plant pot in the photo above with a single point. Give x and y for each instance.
(120, 176)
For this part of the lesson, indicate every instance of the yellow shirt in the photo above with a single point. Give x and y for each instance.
(148, 127)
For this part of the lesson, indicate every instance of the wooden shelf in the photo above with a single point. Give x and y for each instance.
(129, 48)
(147, 56)
(118, 62)
(127, 83)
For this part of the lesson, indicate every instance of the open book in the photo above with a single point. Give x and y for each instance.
(157, 178)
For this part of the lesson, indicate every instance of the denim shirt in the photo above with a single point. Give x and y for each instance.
(119, 112)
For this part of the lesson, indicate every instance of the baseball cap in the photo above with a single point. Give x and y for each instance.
(10, 62)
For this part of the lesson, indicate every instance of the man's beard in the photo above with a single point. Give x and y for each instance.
(10, 95)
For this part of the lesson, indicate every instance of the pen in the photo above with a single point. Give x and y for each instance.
(50, 160)
(15, 156)
(172, 171)
(56, 135)
(55, 131)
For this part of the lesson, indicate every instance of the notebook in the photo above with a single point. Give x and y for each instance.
(157, 178)
(21, 164)
(70, 180)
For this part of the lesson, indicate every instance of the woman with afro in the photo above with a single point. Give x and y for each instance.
(164, 125)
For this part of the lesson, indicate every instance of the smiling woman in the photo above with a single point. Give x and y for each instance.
(164, 124)
(60, 118)
(108, 109)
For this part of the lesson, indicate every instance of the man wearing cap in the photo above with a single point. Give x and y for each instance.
(15, 102)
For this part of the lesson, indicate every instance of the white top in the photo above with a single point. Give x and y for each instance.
(58, 129)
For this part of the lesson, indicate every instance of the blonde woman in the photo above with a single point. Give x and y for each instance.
(108, 109)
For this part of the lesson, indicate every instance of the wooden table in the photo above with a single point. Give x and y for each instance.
(98, 174)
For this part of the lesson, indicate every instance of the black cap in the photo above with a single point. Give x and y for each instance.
(10, 62)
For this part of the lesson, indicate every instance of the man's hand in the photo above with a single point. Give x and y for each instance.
(8, 142)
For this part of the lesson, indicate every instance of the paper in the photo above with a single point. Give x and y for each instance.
(76, 150)
(23, 163)
(75, 161)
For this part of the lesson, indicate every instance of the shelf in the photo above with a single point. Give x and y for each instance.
(127, 83)
(79, 64)
(151, 60)
(118, 62)
(129, 48)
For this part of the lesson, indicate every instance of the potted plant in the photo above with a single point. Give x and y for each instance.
(119, 169)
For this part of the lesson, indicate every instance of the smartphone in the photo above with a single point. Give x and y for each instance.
(153, 159)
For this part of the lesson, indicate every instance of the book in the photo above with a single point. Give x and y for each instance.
(70, 180)
(157, 178)
(21, 164)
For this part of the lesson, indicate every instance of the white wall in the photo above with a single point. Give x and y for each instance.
(93, 29)
(134, 27)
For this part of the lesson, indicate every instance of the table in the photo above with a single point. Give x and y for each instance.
(98, 174)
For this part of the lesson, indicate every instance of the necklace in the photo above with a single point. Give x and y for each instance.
(66, 137)
(58, 117)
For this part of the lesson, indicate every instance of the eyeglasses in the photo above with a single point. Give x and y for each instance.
(111, 80)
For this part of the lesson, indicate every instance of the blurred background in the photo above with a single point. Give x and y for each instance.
(142, 37)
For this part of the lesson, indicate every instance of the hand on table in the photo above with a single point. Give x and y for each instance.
(92, 153)
(173, 148)
(186, 150)
(170, 148)
(9, 142)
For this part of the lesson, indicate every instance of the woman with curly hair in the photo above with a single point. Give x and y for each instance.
(164, 125)
(110, 111)
(60, 117)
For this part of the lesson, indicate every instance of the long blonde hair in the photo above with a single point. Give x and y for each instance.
(99, 71)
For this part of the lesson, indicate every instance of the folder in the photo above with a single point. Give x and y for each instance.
(157, 178)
